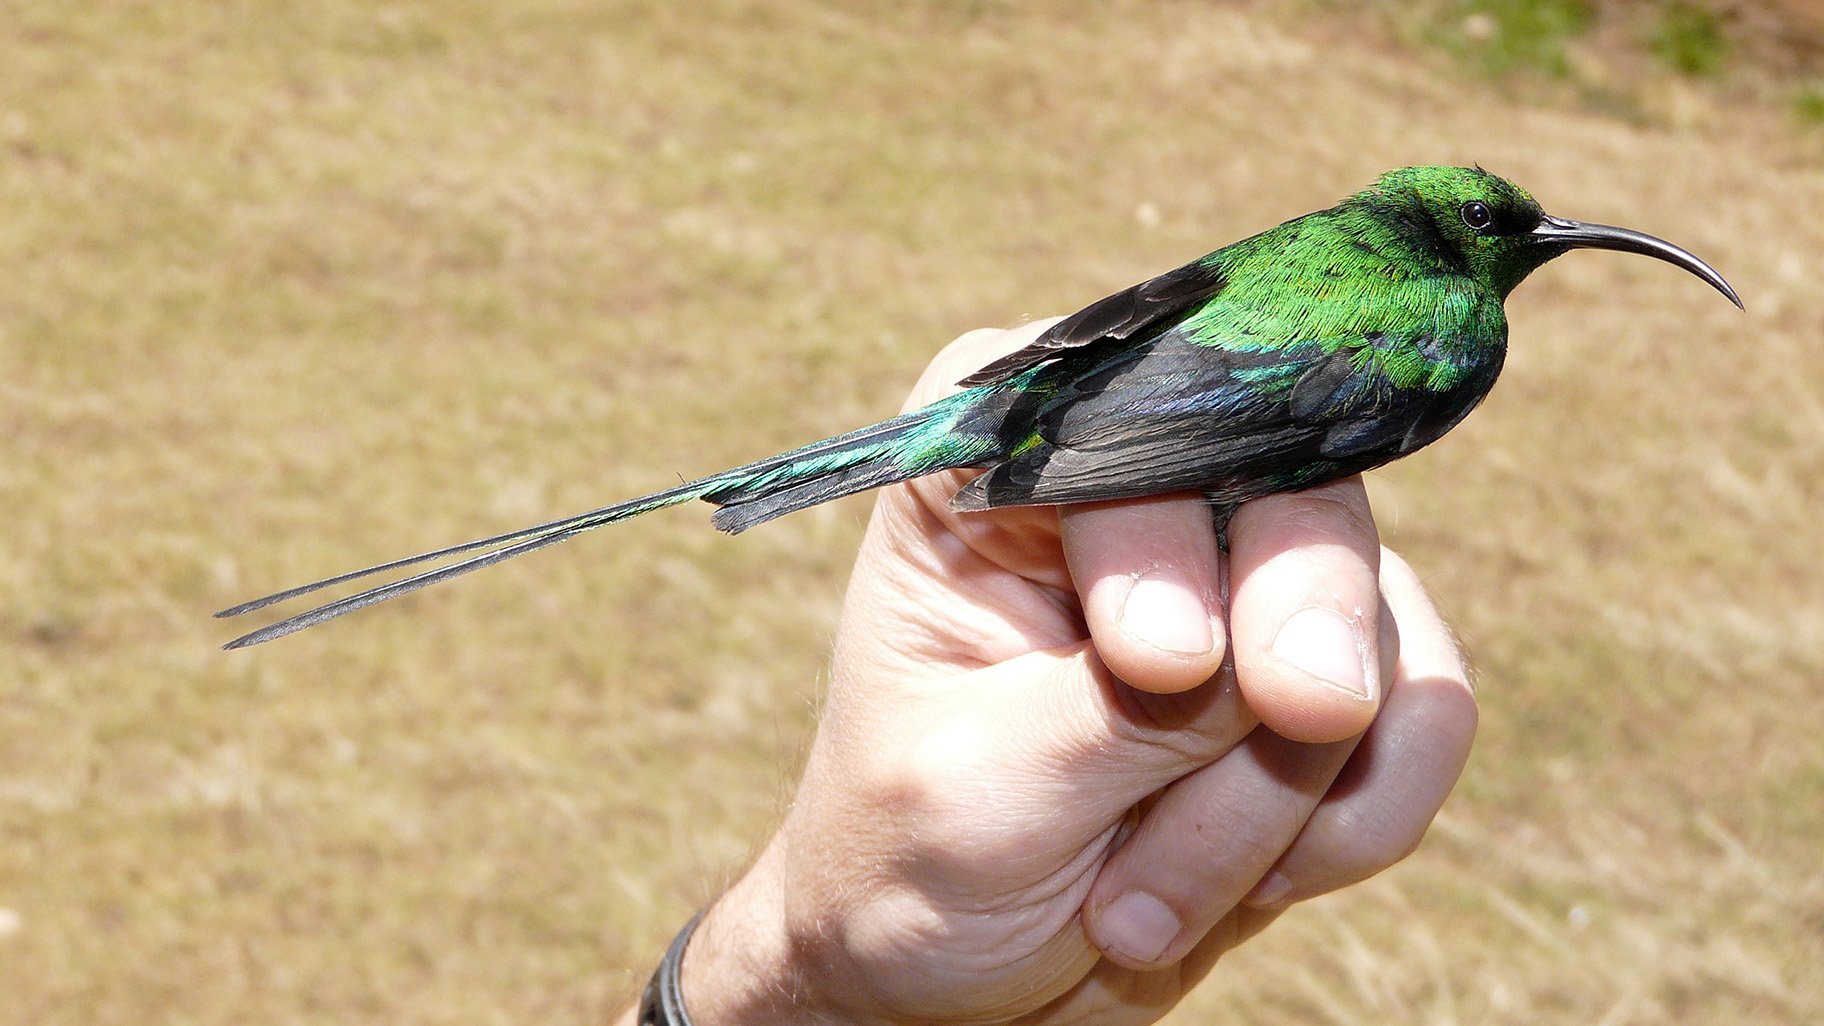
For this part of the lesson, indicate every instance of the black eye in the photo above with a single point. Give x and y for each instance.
(1477, 215)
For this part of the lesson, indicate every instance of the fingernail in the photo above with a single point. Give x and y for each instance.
(1270, 892)
(1138, 926)
(1326, 646)
(1167, 616)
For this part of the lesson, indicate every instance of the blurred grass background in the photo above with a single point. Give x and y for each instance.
(289, 288)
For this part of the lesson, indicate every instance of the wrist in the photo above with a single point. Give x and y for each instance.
(741, 966)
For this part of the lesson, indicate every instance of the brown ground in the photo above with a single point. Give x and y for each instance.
(290, 289)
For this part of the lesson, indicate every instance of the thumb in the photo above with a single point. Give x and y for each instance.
(1091, 746)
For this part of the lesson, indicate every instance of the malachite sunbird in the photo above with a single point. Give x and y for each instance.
(1329, 345)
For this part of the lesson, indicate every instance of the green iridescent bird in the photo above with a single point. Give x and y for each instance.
(1329, 345)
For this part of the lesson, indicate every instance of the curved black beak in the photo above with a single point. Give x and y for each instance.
(1556, 231)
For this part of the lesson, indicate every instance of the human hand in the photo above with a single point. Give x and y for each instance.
(1060, 772)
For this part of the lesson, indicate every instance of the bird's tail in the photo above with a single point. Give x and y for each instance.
(963, 430)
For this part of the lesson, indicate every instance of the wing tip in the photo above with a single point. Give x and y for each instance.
(972, 497)
(988, 375)
(253, 638)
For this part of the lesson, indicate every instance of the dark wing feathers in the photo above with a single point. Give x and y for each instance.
(1172, 379)
(1174, 460)
(1320, 387)
(1362, 434)
(1124, 315)
(1174, 415)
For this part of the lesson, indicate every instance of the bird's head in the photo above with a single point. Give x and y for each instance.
(1499, 233)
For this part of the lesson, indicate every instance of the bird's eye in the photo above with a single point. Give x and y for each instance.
(1477, 215)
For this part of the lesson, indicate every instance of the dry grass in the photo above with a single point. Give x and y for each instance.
(293, 287)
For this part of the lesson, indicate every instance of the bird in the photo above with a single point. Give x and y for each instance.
(1329, 345)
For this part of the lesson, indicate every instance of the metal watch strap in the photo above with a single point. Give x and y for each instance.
(663, 1002)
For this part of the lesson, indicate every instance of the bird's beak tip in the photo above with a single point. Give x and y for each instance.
(1578, 234)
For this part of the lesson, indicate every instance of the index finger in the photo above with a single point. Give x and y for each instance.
(1150, 579)
(1304, 612)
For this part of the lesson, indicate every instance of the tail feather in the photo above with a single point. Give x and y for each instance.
(738, 516)
(959, 431)
(341, 607)
(567, 525)
(962, 431)
(506, 546)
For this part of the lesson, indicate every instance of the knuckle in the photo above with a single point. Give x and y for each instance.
(1376, 841)
(907, 781)
(1446, 701)
(932, 785)
(1235, 837)
(948, 796)
(1187, 748)
(1330, 513)
(1327, 515)
(1457, 697)
(1395, 568)
(1188, 729)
